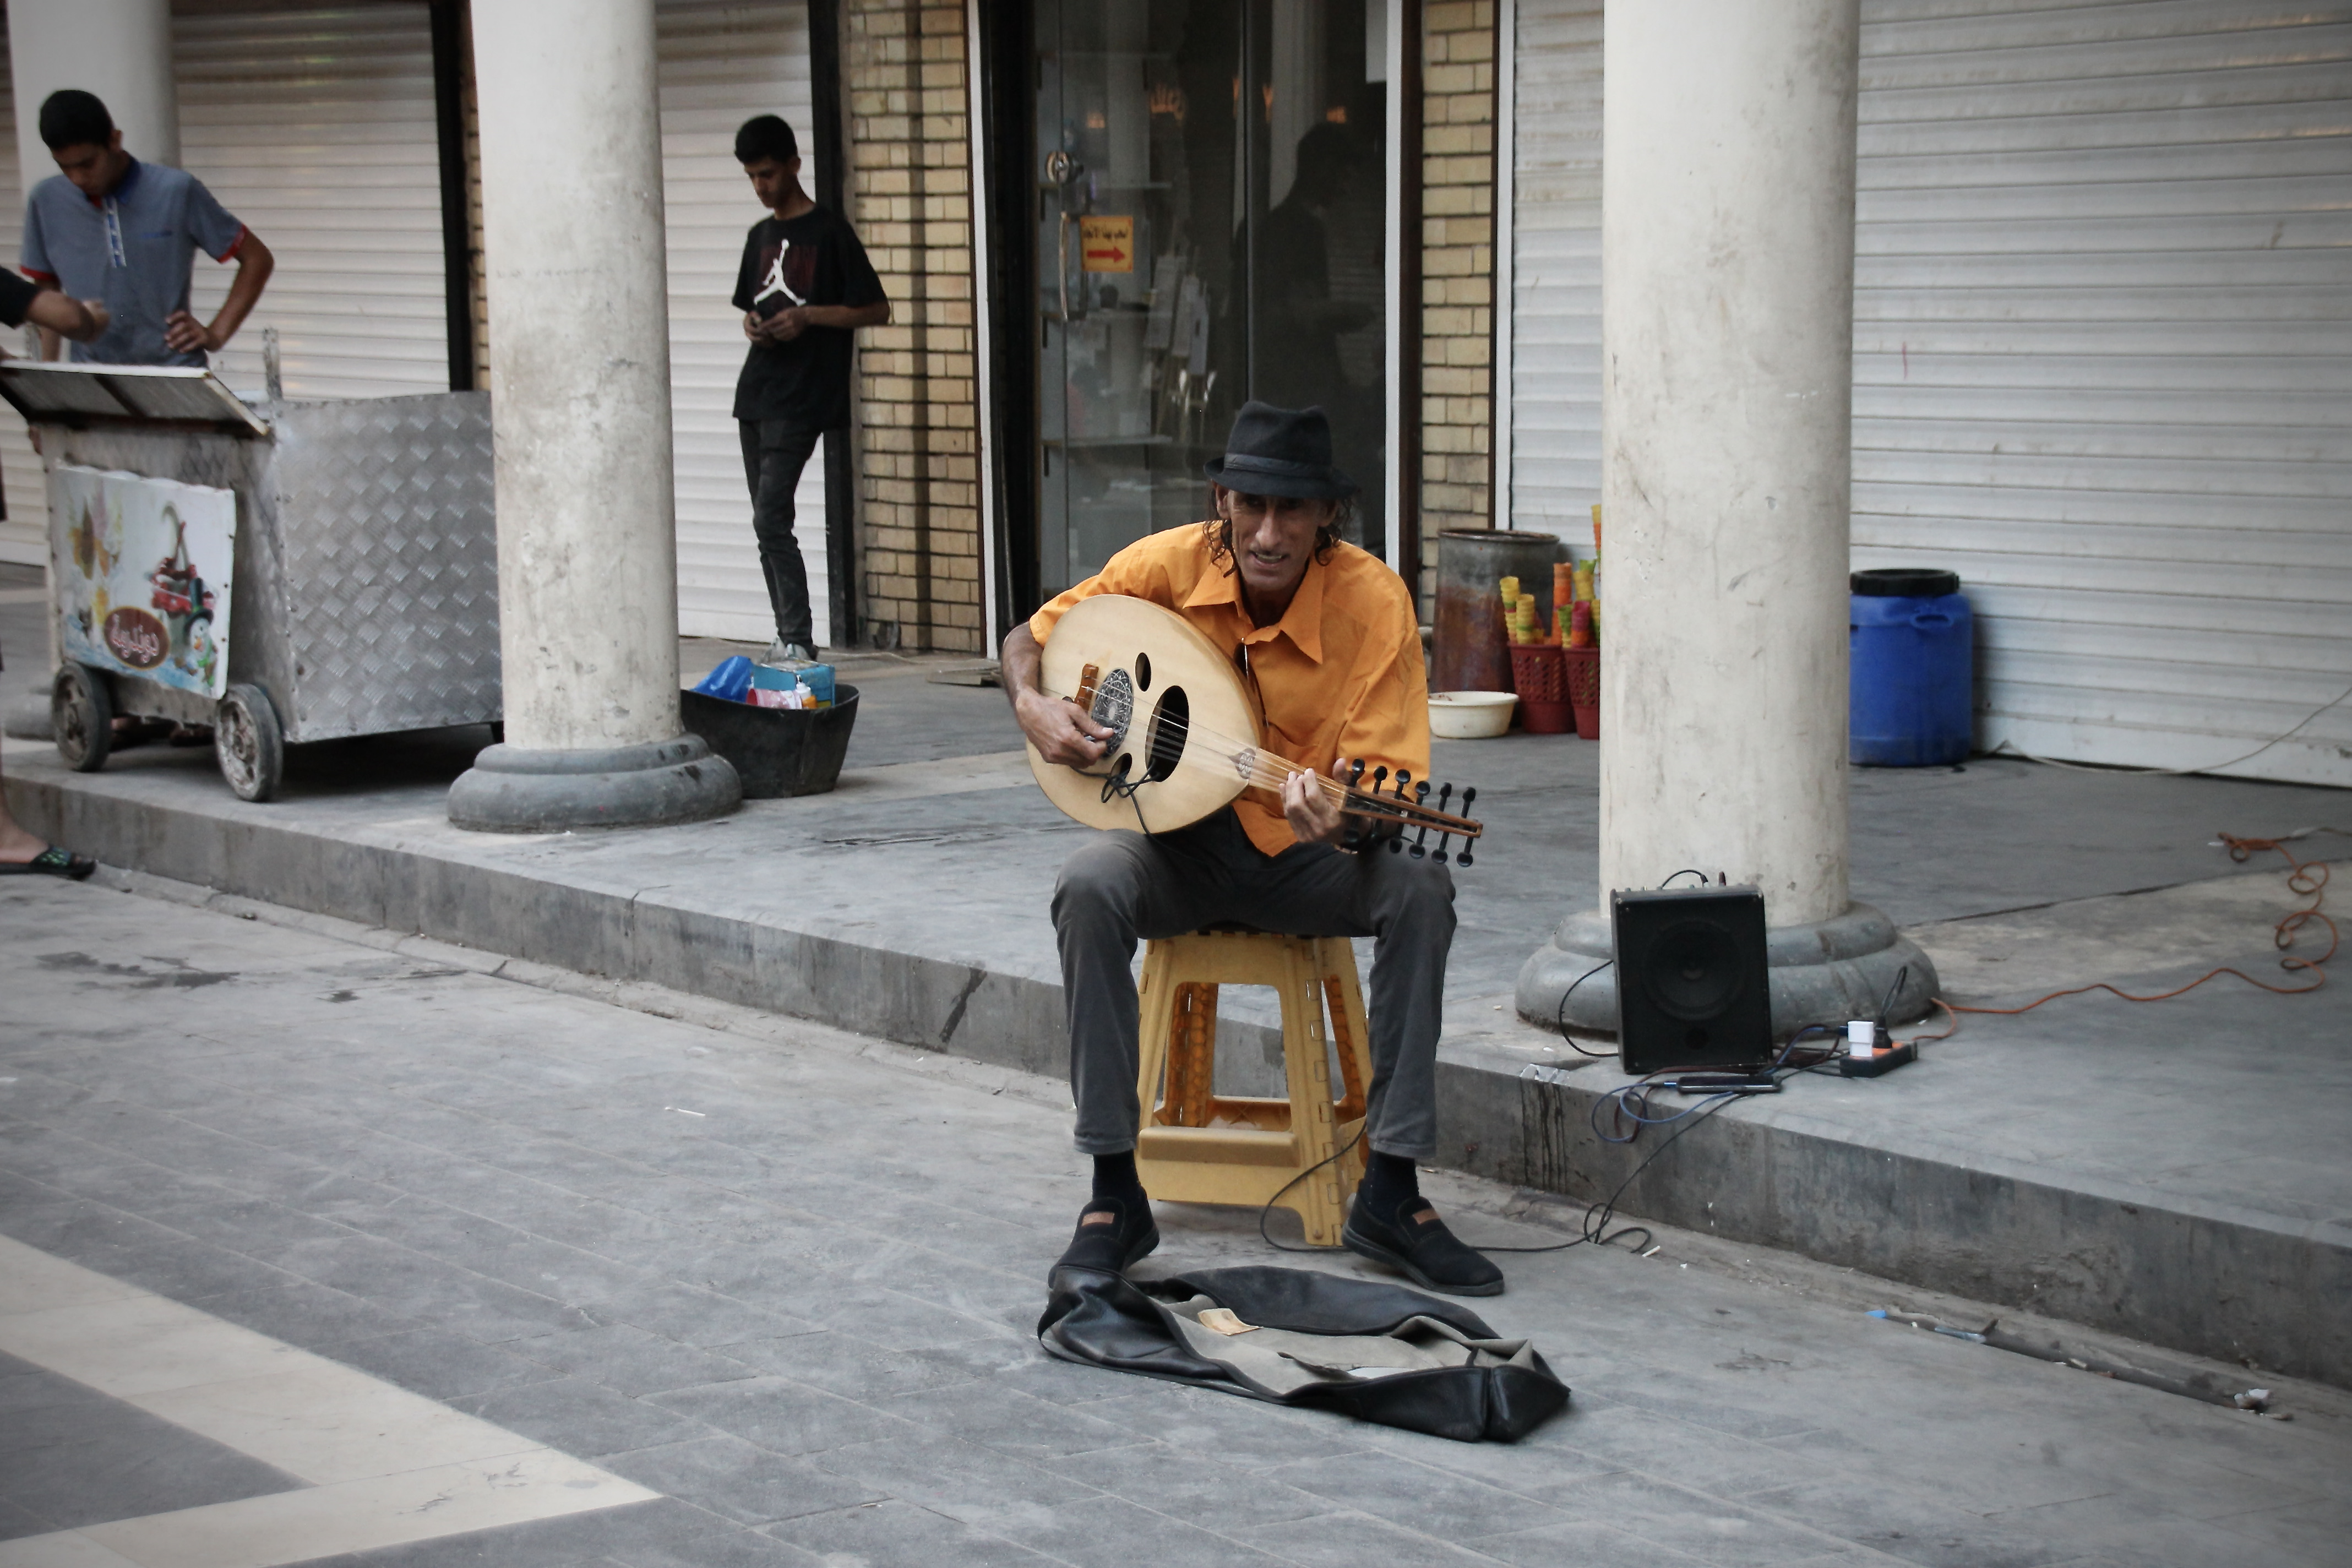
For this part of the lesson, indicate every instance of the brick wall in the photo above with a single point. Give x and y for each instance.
(1457, 271)
(917, 441)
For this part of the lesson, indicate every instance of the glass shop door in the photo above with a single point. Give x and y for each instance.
(1211, 217)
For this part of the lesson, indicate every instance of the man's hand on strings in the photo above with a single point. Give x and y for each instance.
(1060, 730)
(1315, 817)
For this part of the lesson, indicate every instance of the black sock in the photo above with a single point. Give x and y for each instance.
(1391, 1181)
(1115, 1176)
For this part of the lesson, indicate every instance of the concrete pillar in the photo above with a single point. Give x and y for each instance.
(1728, 189)
(571, 202)
(118, 50)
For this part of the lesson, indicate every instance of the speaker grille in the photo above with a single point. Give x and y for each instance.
(1692, 969)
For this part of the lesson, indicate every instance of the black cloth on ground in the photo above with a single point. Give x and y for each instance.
(1502, 1392)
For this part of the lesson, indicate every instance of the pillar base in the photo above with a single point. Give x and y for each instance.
(1825, 973)
(509, 790)
(28, 716)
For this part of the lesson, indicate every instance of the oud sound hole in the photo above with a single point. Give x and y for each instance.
(1143, 672)
(1170, 727)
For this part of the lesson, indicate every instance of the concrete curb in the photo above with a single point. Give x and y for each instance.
(2210, 1280)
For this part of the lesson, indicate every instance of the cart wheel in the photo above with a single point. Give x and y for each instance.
(81, 718)
(249, 745)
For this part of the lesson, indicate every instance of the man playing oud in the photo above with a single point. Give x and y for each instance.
(1326, 635)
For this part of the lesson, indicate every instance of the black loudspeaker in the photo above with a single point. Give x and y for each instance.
(1693, 989)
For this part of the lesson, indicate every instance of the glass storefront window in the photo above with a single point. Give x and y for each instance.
(1211, 209)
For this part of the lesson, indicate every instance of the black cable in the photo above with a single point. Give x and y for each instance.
(1560, 1018)
(1267, 1212)
(1685, 871)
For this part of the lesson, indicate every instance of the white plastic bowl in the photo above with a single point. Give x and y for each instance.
(1470, 715)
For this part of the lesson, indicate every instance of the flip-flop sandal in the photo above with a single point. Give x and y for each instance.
(51, 862)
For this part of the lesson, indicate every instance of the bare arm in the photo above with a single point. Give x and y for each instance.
(255, 263)
(59, 315)
(1057, 727)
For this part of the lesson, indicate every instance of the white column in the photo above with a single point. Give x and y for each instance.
(1727, 176)
(1727, 354)
(118, 50)
(573, 221)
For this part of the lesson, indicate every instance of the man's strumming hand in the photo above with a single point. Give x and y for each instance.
(1060, 729)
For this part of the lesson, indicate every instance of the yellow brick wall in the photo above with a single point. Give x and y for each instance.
(909, 191)
(1457, 269)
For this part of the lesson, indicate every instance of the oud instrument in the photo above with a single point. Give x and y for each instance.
(1185, 736)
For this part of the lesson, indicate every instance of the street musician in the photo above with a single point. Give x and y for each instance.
(1327, 635)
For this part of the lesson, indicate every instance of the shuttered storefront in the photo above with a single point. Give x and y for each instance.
(721, 64)
(1556, 270)
(2103, 360)
(22, 535)
(2102, 366)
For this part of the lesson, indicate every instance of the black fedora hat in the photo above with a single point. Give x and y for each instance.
(1280, 452)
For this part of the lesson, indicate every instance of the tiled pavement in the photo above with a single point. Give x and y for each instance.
(787, 1279)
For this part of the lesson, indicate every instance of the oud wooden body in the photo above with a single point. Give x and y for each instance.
(1187, 716)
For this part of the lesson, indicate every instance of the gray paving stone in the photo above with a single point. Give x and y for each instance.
(1585, 1542)
(783, 1416)
(582, 1417)
(995, 1416)
(858, 1369)
(630, 1360)
(439, 1365)
(1239, 1431)
(1432, 1502)
(413, 1284)
(80, 1458)
(897, 1534)
(737, 1480)
(1349, 1540)
(1191, 1486)
(308, 1314)
(694, 1317)
(979, 1486)
(1111, 1532)
(1756, 1533)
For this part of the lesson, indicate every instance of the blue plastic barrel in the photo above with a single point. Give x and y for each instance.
(1912, 643)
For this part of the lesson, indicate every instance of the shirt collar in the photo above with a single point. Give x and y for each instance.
(122, 186)
(1302, 623)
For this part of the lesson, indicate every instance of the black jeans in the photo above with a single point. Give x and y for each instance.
(774, 453)
(1123, 886)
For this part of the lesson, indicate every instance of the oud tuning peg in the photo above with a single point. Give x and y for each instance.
(1356, 774)
(1404, 777)
(1468, 796)
(1443, 796)
(1421, 796)
(1379, 776)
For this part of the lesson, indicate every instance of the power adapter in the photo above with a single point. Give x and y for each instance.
(1869, 1053)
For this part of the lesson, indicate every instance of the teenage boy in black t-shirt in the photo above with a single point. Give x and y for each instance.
(804, 287)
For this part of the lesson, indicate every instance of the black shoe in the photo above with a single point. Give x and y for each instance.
(1418, 1246)
(51, 862)
(1112, 1246)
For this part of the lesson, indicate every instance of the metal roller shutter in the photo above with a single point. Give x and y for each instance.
(22, 535)
(314, 124)
(720, 64)
(2103, 365)
(1555, 407)
(2102, 354)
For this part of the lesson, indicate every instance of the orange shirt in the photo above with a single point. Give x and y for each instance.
(1340, 674)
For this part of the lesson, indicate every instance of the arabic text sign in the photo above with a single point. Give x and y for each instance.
(1107, 244)
(144, 568)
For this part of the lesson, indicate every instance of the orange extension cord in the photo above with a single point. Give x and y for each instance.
(2306, 879)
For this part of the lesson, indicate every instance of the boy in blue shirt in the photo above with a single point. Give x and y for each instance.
(111, 229)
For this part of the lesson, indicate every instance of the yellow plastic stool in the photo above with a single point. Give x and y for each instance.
(1200, 1147)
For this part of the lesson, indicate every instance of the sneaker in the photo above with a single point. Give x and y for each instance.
(1112, 1235)
(782, 652)
(1418, 1246)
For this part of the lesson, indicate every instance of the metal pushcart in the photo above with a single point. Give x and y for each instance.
(284, 572)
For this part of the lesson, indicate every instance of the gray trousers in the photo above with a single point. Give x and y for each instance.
(1123, 886)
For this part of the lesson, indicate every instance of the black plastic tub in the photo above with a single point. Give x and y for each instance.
(776, 750)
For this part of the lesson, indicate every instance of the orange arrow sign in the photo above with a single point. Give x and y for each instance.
(1107, 244)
